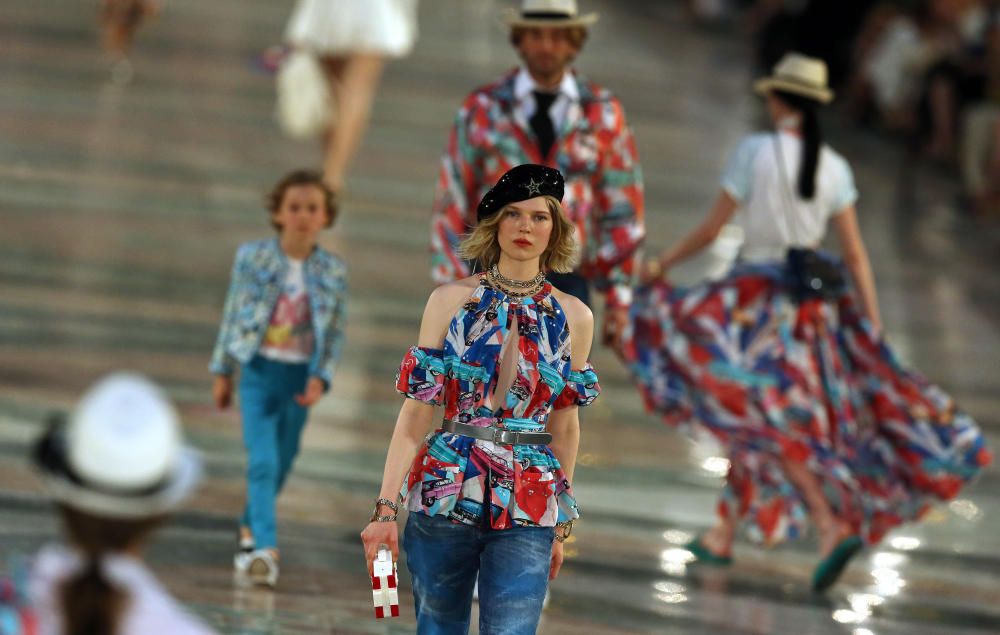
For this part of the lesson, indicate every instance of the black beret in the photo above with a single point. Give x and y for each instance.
(519, 184)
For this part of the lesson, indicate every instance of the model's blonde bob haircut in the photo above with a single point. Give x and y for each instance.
(483, 247)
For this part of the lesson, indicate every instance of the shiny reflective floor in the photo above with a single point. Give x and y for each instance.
(120, 209)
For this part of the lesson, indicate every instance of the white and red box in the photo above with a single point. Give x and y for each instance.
(385, 596)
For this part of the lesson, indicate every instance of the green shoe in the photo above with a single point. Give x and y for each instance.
(704, 556)
(830, 567)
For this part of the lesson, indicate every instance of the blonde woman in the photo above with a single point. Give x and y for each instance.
(489, 491)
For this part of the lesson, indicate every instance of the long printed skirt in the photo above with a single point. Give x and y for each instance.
(776, 380)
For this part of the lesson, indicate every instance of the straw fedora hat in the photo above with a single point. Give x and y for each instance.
(800, 75)
(560, 13)
(120, 454)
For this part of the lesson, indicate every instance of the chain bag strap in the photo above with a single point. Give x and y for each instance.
(812, 273)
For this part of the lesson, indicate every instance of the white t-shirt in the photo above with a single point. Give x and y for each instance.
(289, 336)
(150, 609)
(754, 180)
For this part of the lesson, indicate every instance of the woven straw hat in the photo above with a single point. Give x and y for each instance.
(800, 75)
(559, 13)
(121, 452)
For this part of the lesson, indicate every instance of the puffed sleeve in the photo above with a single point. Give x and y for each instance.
(581, 389)
(737, 179)
(421, 375)
(845, 192)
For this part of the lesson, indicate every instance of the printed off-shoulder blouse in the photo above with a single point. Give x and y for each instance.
(454, 475)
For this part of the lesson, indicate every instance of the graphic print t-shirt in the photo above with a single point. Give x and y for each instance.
(289, 336)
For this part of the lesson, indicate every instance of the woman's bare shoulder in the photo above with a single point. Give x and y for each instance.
(445, 300)
(580, 320)
(454, 291)
(576, 311)
(442, 306)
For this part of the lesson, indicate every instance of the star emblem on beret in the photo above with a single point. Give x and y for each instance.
(519, 184)
(534, 188)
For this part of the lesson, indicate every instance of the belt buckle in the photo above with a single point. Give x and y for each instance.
(500, 436)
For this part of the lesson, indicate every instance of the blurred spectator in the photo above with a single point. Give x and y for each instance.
(819, 28)
(893, 53)
(958, 77)
(115, 470)
(980, 144)
(919, 67)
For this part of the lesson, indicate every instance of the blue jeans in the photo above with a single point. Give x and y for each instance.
(272, 427)
(444, 557)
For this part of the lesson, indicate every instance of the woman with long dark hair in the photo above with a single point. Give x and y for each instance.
(777, 360)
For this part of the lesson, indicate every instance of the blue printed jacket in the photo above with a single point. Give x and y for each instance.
(254, 287)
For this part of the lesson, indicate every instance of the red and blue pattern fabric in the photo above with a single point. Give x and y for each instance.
(459, 477)
(596, 153)
(16, 615)
(809, 382)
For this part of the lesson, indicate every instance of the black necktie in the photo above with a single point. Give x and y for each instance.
(541, 123)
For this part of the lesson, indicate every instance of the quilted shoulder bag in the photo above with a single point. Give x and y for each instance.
(812, 273)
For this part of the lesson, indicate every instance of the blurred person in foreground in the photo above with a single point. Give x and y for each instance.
(116, 469)
(544, 112)
(784, 362)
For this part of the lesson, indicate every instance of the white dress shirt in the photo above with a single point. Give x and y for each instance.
(568, 95)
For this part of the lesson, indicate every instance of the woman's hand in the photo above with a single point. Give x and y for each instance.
(377, 534)
(876, 326)
(222, 391)
(615, 322)
(557, 559)
(651, 271)
(314, 390)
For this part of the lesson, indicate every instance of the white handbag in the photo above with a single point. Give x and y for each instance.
(305, 104)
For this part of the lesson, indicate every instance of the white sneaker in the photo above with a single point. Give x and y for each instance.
(245, 545)
(241, 567)
(259, 567)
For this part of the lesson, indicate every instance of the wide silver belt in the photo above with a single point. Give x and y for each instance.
(500, 436)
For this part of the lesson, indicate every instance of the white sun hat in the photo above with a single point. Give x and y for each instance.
(121, 453)
(560, 13)
(800, 75)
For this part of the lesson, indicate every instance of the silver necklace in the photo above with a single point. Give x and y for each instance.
(517, 284)
(498, 282)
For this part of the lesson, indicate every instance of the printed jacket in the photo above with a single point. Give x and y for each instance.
(594, 151)
(254, 287)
